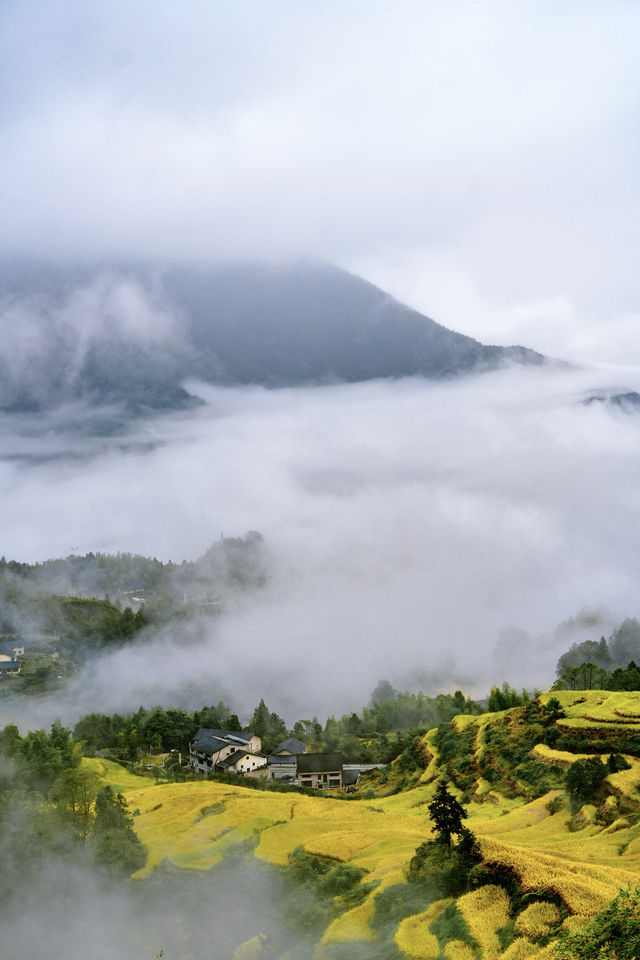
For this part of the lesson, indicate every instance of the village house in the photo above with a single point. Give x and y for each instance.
(9, 653)
(242, 761)
(282, 759)
(210, 751)
(323, 771)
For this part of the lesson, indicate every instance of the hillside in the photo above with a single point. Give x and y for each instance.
(553, 857)
(132, 333)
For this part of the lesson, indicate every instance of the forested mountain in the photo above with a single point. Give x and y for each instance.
(132, 333)
(64, 610)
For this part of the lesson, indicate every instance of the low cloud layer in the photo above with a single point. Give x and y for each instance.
(410, 525)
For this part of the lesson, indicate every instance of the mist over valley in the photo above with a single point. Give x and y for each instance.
(426, 532)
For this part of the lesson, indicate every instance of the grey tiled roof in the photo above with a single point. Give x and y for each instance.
(292, 745)
(210, 741)
(319, 762)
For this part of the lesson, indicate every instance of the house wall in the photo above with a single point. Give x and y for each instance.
(321, 781)
(204, 762)
(246, 764)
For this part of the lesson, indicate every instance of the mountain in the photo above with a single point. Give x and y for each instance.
(628, 401)
(132, 333)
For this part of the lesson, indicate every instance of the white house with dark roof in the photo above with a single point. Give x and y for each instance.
(242, 761)
(210, 748)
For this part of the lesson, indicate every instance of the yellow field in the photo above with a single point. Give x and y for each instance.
(458, 950)
(598, 708)
(353, 925)
(559, 758)
(520, 949)
(431, 751)
(486, 910)
(538, 920)
(116, 776)
(193, 824)
(413, 936)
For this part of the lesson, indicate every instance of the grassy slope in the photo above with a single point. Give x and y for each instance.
(193, 824)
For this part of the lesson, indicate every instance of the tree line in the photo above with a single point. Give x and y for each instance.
(603, 664)
(377, 734)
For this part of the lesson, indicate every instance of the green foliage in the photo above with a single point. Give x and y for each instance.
(38, 758)
(583, 780)
(610, 665)
(541, 777)
(446, 813)
(454, 749)
(73, 794)
(451, 925)
(506, 697)
(627, 679)
(116, 847)
(268, 726)
(444, 870)
(551, 711)
(440, 864)
(321, 888)
(617, 762)
(396, 902)
(614, 934)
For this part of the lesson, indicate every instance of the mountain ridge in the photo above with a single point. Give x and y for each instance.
(132, 333)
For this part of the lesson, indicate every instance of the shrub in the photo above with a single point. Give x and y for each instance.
(614, 934)
(616, 762)
(583, 779)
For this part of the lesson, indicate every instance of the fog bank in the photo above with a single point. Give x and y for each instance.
(411, 526)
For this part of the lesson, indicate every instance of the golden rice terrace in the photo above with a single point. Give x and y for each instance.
(550, 862)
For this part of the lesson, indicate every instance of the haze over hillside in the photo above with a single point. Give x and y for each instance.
(134, 332)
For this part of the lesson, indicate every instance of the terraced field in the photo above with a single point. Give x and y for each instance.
(576, 862)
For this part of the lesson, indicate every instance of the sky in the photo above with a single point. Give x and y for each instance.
(478, 160)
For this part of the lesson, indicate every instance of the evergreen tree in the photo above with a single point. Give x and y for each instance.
(447, 814)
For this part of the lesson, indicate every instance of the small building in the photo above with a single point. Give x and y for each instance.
(282, 759)
(242, 761)
(9, 653)
(323, 771)
(9, 667)
(290, 747)
(210, 747)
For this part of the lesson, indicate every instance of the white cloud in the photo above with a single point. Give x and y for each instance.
(410, 523)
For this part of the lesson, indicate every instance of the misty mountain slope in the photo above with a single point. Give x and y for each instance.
(132, 333)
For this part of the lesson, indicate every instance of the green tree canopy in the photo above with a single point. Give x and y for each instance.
(115, 843)
(614, 934)
(447, 814)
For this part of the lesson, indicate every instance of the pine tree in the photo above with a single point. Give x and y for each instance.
(447, 814)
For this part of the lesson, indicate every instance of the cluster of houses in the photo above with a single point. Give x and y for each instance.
(10, 651)
(230, 751)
